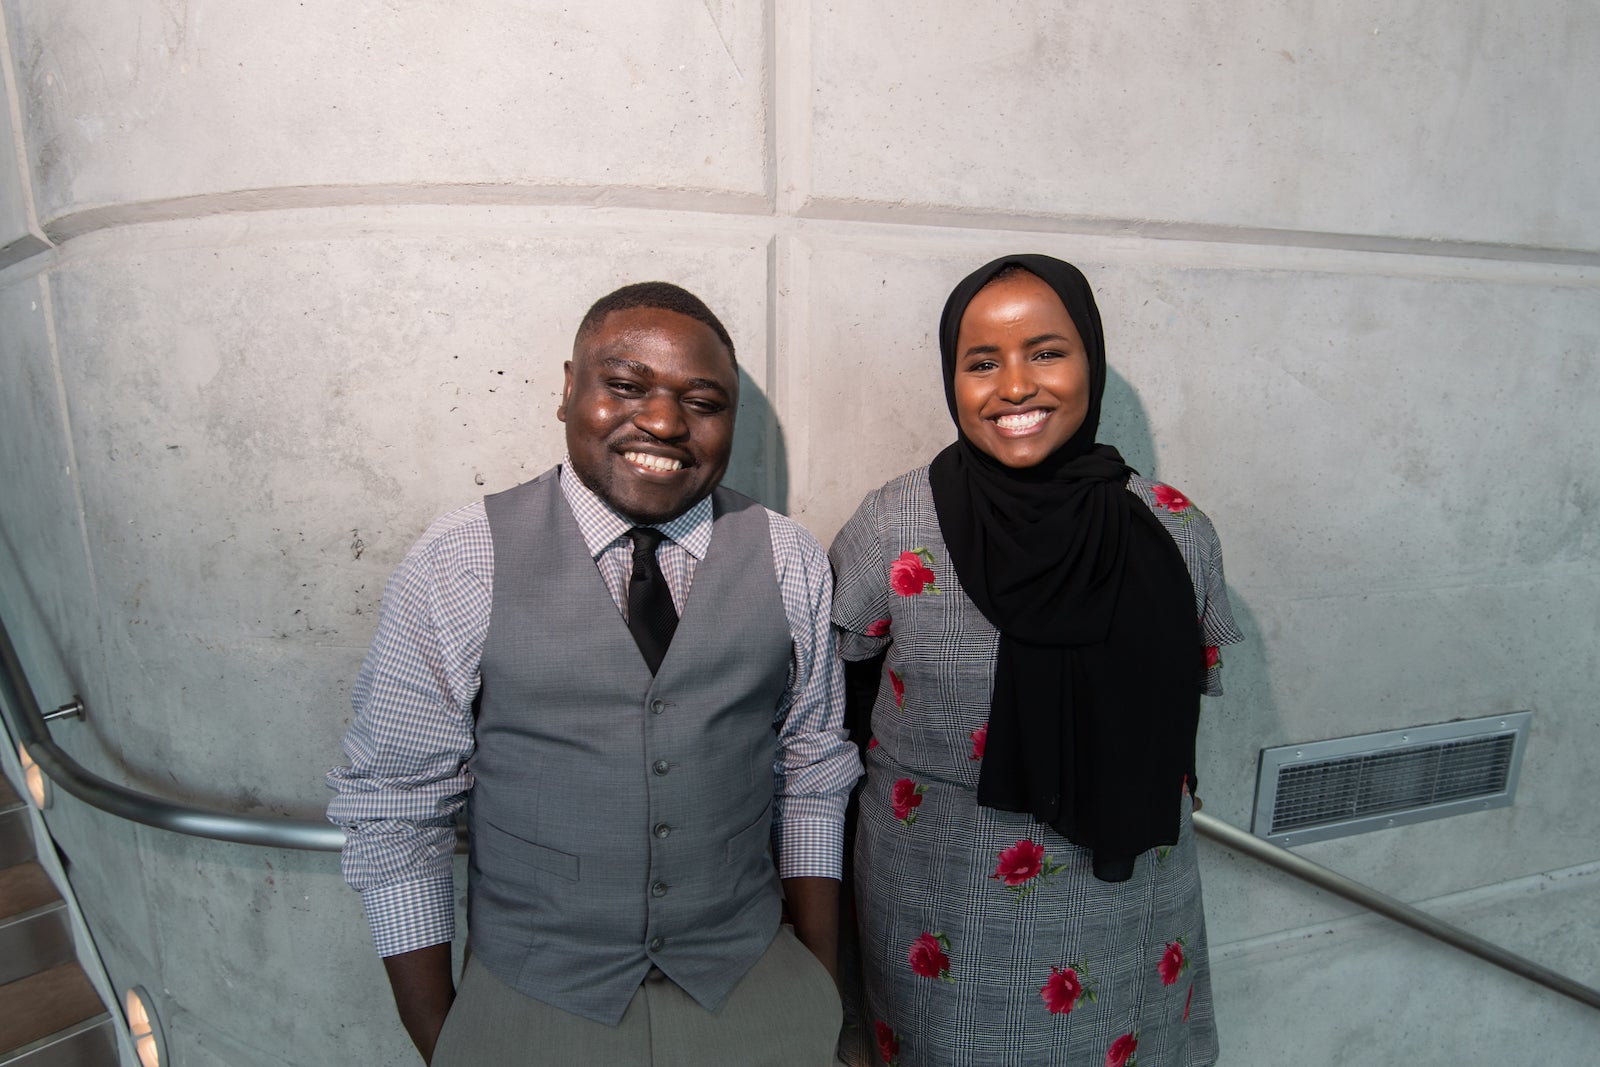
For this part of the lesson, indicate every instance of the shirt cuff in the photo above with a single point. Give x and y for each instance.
(411, 915)
(810, 845)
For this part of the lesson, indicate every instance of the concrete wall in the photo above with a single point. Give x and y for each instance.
(279, 283)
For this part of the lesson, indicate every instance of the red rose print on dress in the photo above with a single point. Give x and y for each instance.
(877, 628)
(1023, 866)
(888, 1043)
(909, 575)
(1213, 657)
(1065, 987)
(872, 743)
(1121, 1052)
(980, 737)
(898, 684)
(929, 957)
(1173, 962)
(1171, 499)
(905, 796)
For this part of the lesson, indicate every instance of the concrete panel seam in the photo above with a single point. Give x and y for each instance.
(900, 213)
(35, 241)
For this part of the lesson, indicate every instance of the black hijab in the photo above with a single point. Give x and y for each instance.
(1097, 679)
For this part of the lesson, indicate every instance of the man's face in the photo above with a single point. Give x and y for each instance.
(649, 403)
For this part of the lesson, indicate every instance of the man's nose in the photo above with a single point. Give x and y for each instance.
(661, 418)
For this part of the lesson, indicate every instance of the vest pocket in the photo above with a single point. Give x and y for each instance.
(753, 838)
(528, 854)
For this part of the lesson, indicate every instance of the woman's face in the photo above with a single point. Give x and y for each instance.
(1021, 372)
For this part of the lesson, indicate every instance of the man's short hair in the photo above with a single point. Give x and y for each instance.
(663, 295)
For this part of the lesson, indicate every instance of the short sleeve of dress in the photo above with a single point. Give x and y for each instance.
(1217, 628)
(860, 585)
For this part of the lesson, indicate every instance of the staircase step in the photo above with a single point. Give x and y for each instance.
(35, 941)
(25, 887)
(16, 836)
(89, 1044)
(9, 797)
(34, 1010)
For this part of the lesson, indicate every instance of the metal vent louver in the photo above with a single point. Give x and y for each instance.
(1350, 785)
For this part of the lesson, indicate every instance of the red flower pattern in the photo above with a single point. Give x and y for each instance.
(1020, 862)
(888, 1043)
(872, 742)
(1173, 962)
(1061, 990)
(1171, 499)
(904, 796)
(928, 957)
(877, 628)
(1186, 1001)
(1213, 656)
(1120, 1054)
(898, 684)
(1023, 866)
(909, 574)
(980, 737)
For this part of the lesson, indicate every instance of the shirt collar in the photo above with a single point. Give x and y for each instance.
(601, 526)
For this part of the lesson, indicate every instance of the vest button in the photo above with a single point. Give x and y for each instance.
(660, 766)
(659, 889)
(662, 829)
(656, 943)
(658, 706)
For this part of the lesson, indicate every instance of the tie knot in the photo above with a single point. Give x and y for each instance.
(645, 541)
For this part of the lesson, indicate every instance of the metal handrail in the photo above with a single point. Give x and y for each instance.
(30, 730)
(33, 732)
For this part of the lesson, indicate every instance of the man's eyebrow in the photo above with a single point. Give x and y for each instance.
(633, 366)
(645, 370)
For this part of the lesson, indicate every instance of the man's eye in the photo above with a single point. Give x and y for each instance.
(704, 407)
(623, 387)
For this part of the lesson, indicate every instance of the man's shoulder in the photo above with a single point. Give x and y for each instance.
(789, 538)
(453, 530)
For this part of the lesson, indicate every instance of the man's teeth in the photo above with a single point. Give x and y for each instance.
(654, 463)
(1023, 421)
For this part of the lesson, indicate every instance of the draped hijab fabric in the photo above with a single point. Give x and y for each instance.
(1098, 675)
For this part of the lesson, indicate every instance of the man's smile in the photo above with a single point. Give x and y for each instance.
(658, 464)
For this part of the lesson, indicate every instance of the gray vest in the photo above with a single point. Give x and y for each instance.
(619, 820)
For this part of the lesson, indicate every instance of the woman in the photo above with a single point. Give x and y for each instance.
(1025, 869)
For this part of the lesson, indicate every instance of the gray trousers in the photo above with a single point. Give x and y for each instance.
(784, 1013)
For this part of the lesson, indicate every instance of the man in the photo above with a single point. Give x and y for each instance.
(630, 672)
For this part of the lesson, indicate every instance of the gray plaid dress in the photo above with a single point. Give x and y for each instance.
(985, 938)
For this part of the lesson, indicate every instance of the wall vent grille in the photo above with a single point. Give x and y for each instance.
(1349, 785)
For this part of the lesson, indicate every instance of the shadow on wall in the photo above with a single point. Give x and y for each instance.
(1228, 746)
(760, 464)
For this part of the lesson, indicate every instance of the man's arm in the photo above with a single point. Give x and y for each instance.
(813, 906)
(817, 765)
(407, 749)
(423, 993)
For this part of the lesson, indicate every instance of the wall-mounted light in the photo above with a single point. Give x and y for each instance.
(144, 1027)
(38, 785)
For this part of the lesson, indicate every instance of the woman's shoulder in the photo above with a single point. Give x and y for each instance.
(1174, 508)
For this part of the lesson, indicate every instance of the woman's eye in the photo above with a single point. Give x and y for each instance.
(980, 366)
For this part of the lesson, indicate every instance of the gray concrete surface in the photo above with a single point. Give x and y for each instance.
(278, 284)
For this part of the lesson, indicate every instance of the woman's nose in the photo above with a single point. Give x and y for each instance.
(1016, 383)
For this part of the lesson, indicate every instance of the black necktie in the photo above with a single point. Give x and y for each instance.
(651, 616)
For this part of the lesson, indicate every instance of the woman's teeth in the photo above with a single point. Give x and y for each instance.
(1021, 422)
(654, 463)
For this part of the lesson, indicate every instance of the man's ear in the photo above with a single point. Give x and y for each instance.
(566, 391)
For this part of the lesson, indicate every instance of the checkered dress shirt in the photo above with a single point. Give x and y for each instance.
(413, 730)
